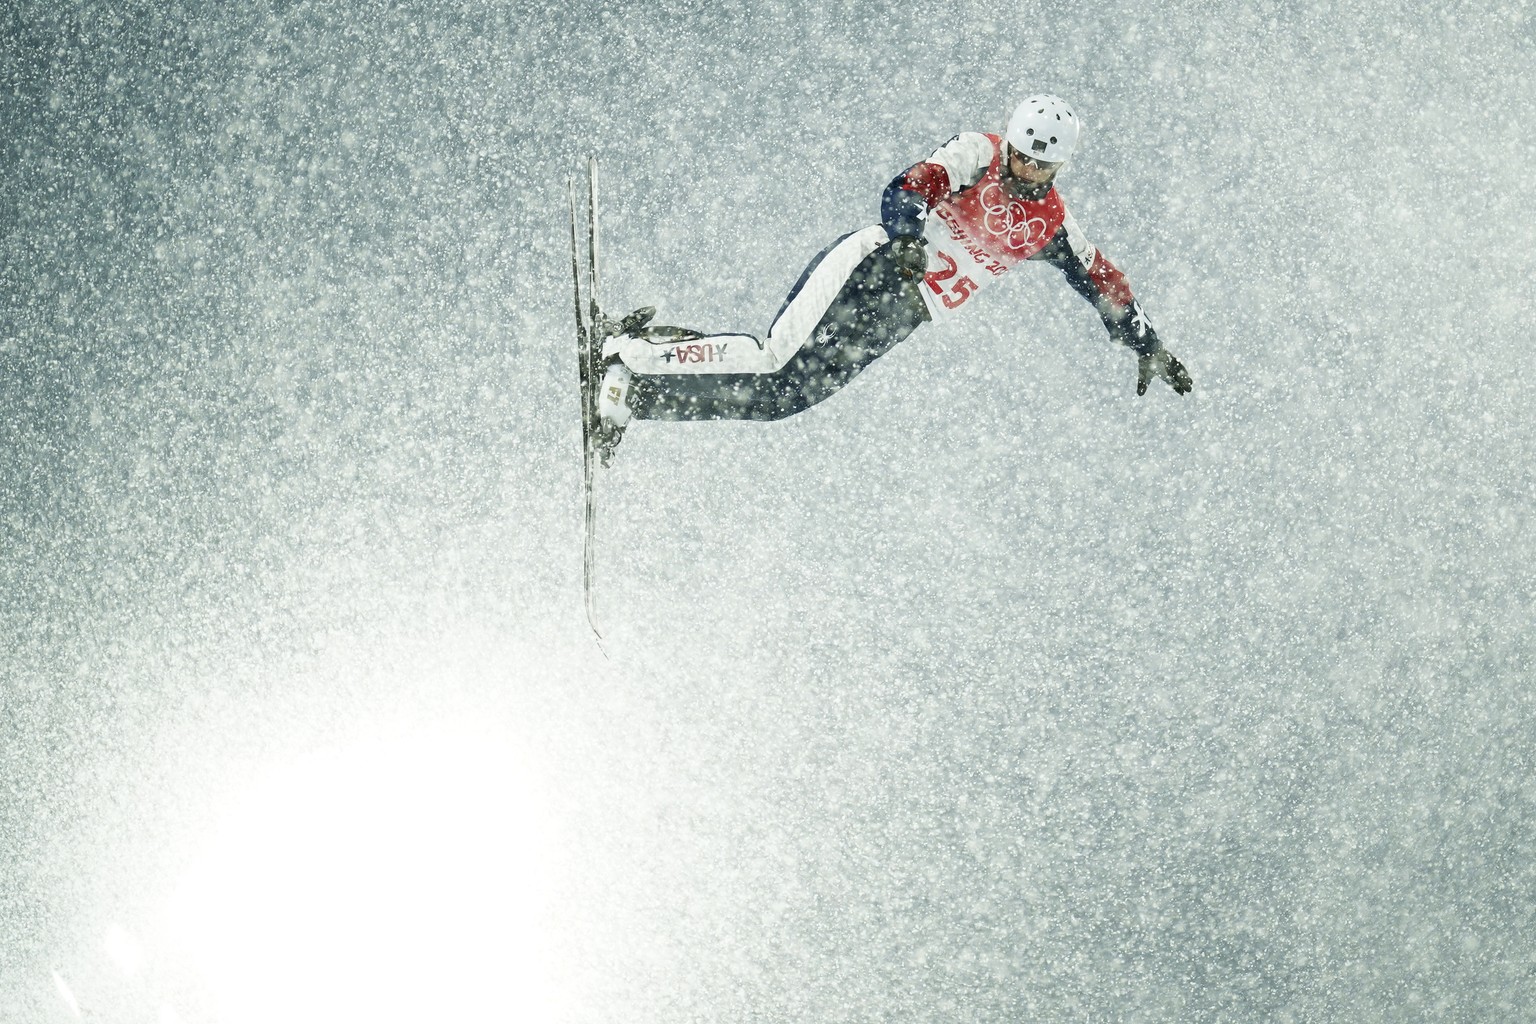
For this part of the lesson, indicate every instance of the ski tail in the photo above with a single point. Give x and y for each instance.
(595, 317)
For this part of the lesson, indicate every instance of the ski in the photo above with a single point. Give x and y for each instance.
(589, 371)
(593, 329)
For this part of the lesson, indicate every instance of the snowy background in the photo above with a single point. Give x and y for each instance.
(983, 691)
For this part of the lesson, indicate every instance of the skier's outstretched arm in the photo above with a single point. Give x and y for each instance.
(1093, 276)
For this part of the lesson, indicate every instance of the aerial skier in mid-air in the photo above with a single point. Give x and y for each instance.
(950, 225)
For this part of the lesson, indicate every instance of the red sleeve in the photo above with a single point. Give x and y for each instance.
(928, 180)
(1110, 282)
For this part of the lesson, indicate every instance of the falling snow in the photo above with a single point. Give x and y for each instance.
(982, 691)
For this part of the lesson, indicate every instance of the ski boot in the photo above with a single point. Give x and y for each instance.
(613, 392)
(606, 327)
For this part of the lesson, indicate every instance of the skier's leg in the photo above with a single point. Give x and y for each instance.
(848, 309)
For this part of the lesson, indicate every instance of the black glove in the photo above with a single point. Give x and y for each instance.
(1162, 364)
(910, 255)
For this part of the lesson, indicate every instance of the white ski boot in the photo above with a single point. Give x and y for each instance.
(613, 392)
(612, 406)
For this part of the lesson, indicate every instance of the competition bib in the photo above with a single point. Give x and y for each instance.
(974, 236)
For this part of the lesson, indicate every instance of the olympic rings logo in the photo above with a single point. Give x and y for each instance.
(1007, 219)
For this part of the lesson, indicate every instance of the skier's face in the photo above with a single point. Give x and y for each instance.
(1028, 172)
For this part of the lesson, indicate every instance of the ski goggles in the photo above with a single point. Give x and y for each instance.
(1033, 161)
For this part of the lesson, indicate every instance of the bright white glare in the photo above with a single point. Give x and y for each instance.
(404, 880)
(68, 996)
(124, 951)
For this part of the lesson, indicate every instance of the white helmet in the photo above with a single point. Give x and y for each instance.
(1045, 128)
